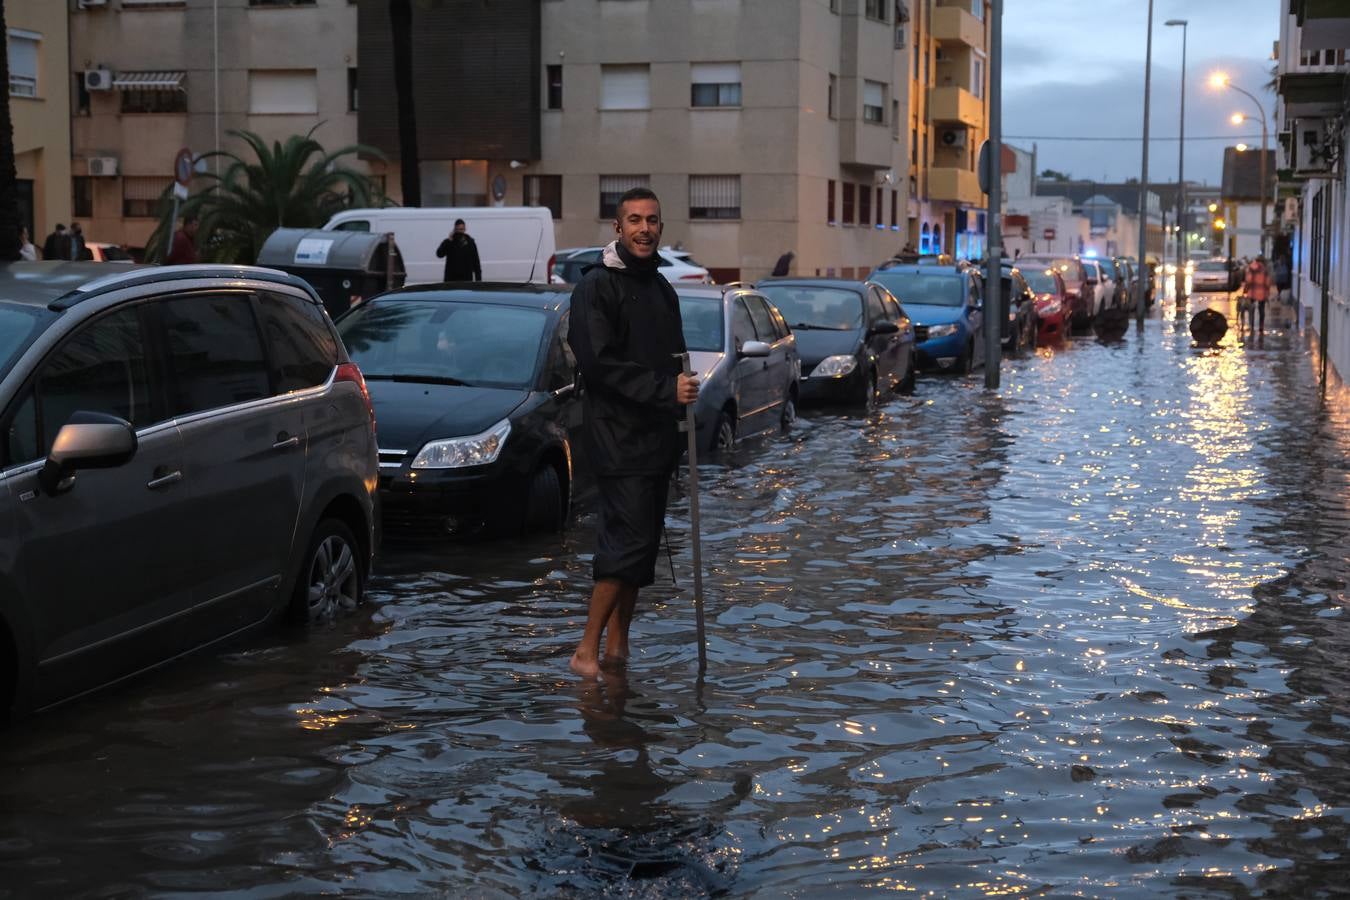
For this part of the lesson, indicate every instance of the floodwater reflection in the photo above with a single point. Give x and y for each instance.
(1081, 637)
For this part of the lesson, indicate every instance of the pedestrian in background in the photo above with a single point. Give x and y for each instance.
(27, 250)
(1256, 287)
(183, 249)
(1284, 278)
(461, 255)
(56, 246)
(783, 266)
(626, 334)
(78, 250)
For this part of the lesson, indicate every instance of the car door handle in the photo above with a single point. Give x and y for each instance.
(284, 442)
(165, 479)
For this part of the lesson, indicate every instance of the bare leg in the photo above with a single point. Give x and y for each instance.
(605, 599)
(616, 638)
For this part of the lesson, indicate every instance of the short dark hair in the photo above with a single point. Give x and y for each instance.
(460, 222)
(637, 193)
(60, 227)
(189, 218)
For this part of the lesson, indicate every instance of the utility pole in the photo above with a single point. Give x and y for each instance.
(1139, 306)
(993, 283)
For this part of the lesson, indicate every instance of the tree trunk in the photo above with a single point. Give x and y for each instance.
(10, 218)
(400, 21)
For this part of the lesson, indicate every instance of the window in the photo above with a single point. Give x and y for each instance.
(102, 368)
(830, 102)
(21, 433)
(914, 146)
(625, 87)
(352, 104)
(141, 195)
(544, 190)
(82, 196)
(283, 91)
(848, 203)
(302, 350)
(893, 312)
(834, 6)
(759, 315)
(612, 188)
(977, 9)
(742, 327)
(895, 194)
(153, 100)
(864, 205)
(876, 310)
(715, 84)
(829, 203)
(874, 102)
(81, 101)
(977, 76)
(215, 355)
(554, 87)
(875, 9)
(280, 2)
(23, 62)
(714, 196)
(895, 119)
(881, 218)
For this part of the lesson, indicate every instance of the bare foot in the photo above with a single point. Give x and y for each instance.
(614, 663)
(587, 668)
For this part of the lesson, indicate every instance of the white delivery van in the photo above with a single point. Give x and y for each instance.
(515, 243)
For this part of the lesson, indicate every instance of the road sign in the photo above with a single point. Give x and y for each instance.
(1048, 234)
(182, 167)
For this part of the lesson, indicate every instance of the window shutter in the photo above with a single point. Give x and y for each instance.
(625, 87)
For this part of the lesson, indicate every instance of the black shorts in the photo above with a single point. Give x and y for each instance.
(632, 521)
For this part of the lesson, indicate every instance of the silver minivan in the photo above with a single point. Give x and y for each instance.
(185, 452)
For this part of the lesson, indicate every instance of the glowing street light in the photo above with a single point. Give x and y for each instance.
(1237, 118)
(1221, 81)
(1214, 207)
(1241, 148)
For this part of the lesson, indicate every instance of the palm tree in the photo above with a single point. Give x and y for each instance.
(296, 184)
(11, 220)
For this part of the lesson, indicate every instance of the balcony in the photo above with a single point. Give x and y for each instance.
(959, 185)
(954, 104)
(952, 24)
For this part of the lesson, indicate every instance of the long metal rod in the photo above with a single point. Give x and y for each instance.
(1143, 179)
(1182, 249)
(994, 315)
(696, 536)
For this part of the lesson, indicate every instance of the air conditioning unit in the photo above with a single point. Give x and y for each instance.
(1311, 154)
(97, 79)
(103, 165)
(953, 137)
(92, 4)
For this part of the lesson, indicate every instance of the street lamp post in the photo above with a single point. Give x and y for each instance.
(1219, 79)
(1181, 175)
(1143, 180)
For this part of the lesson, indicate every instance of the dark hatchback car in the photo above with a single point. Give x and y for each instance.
(854, 338)
(186, 452)
(476, 403)
(1020, 326)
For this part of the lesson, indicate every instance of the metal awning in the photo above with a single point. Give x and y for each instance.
(149, 81)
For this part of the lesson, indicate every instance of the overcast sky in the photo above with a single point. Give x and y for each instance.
(1077, 69)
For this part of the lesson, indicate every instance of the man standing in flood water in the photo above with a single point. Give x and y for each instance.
(625, 332)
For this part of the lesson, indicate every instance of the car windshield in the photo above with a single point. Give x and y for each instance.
(19, 325)
(681, 256)
(1042, 281)
(924, 288)
(476, 344)
(702, 318)
(807, 306)
(1212, 265)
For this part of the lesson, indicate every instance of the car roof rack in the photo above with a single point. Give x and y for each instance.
(152, 274)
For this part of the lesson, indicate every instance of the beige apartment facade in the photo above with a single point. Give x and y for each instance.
(765, 126)
(947, 114)
(149, 77)
(39, 103)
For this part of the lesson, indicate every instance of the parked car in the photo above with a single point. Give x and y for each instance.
(746, 359)
(947, 306)
(188, 452)
(475, 394)
(1052, 303)
(1079, 296)
(515, 243)
(1098, 287)
(675, 265)
(855, 339)
(101, 252)
(1128, 273)
(1019, 311)
(1212, 275)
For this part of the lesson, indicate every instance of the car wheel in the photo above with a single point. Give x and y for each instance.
(544, 503)
(1033, 334)
(789, 417)
(724, 435)
(331, 577)
(911, 376)
(868, 398)
(965, 363)
(1015, 344)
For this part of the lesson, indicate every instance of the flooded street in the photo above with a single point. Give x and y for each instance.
(1085, 636)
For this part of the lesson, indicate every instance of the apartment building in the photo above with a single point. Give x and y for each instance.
(148, 77)
(39, 105)
(946, 110)
(1312, 80)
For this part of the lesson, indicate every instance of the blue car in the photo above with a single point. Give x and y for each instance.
(947, 306)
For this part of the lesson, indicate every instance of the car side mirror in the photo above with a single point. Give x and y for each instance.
(88, 440)
(754, 350)
(885, 326)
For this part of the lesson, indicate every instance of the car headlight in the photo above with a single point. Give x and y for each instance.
(834, 366)
(936, 331)
(456, 453)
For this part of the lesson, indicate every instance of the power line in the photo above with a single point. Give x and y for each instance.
(1076, 137)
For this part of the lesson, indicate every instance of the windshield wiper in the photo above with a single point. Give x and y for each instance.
(807, 326)
(420, 379)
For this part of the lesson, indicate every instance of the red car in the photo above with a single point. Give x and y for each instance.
(1078, 293)
(1052, 299)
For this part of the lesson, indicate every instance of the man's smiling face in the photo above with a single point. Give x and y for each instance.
(639, 227)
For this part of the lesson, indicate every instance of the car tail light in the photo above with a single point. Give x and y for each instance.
(552, 261)
(350, 371)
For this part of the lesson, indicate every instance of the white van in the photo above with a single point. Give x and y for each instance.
(515, 243)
